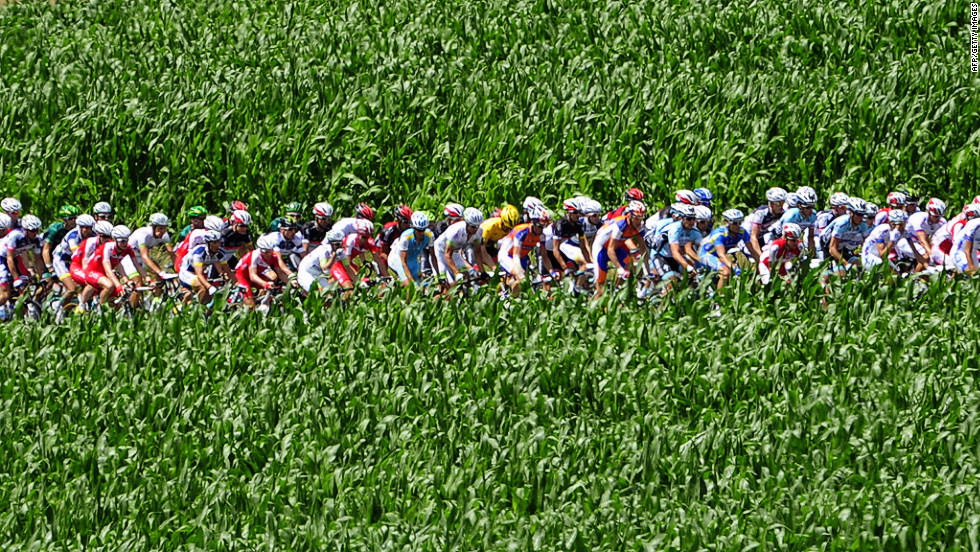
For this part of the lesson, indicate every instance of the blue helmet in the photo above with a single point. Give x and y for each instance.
(705, 195)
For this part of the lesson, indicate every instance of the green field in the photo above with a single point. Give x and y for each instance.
(776, 425)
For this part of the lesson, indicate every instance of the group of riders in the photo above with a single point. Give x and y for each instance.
(89, 254)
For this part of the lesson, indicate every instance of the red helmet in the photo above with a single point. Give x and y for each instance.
(238, 206)
(403, 213)
(496, 212)
(634, 194)
(364, 211)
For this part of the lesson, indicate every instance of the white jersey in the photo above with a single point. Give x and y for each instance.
(457, 237)
(880, 235)
(969, 233)
(144, 236)
(919, 222)
(315, 264)
(288, 247)
(350, 226)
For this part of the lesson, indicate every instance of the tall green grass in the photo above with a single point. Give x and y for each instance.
(161, 105)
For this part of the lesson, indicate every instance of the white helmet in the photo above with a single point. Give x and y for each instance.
(102, 208)
(792, 200)
(121, 232)
(241, 217)
(636, 207)
(776, 195)
(791, 230)
(687, 197)
(324, 210)
(855, 205)
(806, 197)
(30, 222)
(592, 207)
(420, 220)
(473, 216)
(454, 210)
(733, 216)
(870, 209)
(685, 211)
(897, 216)
(532, 204)
(103, 228)
(936, 207)
(10, 205)
(86, 220)
(266, 243)
(5, 221)
(839, 199)
(335, 236)
(702, 213)
(159, 219)
(212, 236)
(972, 210)
(212, 222)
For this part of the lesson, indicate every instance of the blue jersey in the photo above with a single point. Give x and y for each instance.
(722, 236)
(795, 216)
(851, 236)
(414, 246)
(676, 233)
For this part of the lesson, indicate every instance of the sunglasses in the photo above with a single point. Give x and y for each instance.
(537, 225)
(689, 218)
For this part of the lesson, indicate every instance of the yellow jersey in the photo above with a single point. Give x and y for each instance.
(493, 230)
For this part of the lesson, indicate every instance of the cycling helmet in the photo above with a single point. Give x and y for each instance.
(10, 205)
(540, 215)
(454, 210)
(289, 224)
(897, 199)
(294, 207)
(509, 216)
(776, 195)
(704, 195)
(198, 212)
(592, 207)
(364, 211)
(897, 216)
(685, 211)
(870, 209)
(792, 200)
(531, 203)
(5, 221)
(687, 197)
(733, 216)
(323, 210)
(403, 213)
(266, 243)
(236, 206)
(972, 210)
(121, 232)
(212, 236)
(976, 199)
(103, 228)
(86, 221)
(855, 205)
(702, 213)
(936, 207)
(214, 223)
(159, 219)
(839, 199)
(806, 197)
(365, 229)
(792, 231)
(633, 194)
(241, 217)
(102, 208)
(473, 216)
(420, 220)
(636, 208)
(69, 211)
(30, 222)
(335, 236)
(571, 206)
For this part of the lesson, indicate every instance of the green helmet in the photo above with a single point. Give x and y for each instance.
(294, 207)
(197, 211)
(69, 211)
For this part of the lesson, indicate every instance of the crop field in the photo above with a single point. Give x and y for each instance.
(771, 423)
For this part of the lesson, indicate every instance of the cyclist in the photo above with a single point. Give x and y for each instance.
(614, 244)
(11, 207)
(391, 231)
(569, 248)
(895, 200)
(882, 240)
(142, 240)
(62, 255)
(102, 211)
(531, 205)
(838, 207)
(14, 273)
(964, 250)
(459, 236)
(704, 223)
(780, 252)
(678, 250)
(715, 248)
(293, 213)
(516, 247)
(669, 212)
(317, 267)
(196, 216)
(194, 269)
(363, 218)
(408, 249)
(942, 240)
(261, 269)
(196, 237)
(86, 249)
(495, 229)
(705, 196)
(633, 194)
(452, 214)
(315, 231)
(289, 243)
(237, 237)
(845, 236)
(923, 224)
(357, 246)
(761, 221)
(55, 234)
(100, 271)
(803, 216)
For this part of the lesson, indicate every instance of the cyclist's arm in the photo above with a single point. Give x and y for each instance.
(12, 264)
(723, 255)
(38, 265)
(145, 255)
(691, 252)
(754, 248)
(923, 240)
(46, 253)
(403, 255)
(678, 255)
(586, 246)
(545, 258)
(555, 244)
(835, 251)
(110, 272)
(971, 265)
